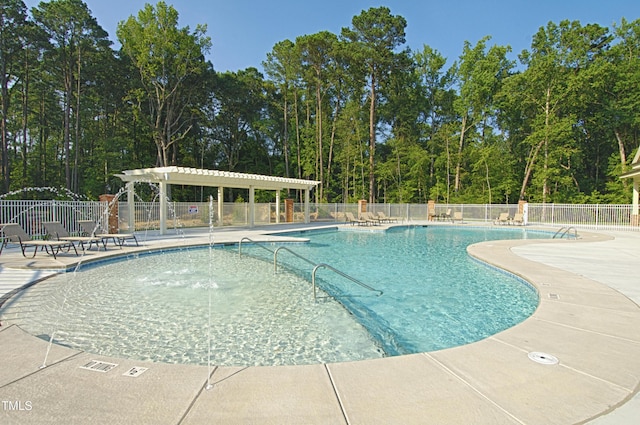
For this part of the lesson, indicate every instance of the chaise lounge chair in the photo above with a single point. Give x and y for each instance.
(90, 228)
(518, 218)
(56, 230)
(370, 218)
(353, 221)
(385, 218)
(503, 219)
(14, 233)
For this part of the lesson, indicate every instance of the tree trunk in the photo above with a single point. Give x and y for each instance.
(463, 130)
(529, 168)
(623, 155)
(547, 113)
(320, 162)
(372, 138)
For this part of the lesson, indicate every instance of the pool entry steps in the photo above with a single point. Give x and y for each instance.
(316, 266)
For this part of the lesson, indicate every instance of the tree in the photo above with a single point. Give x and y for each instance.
(13, 25)
(375, 34)
(438, 94)
(480, 76)
(233, 114)
(546, 94)
(167, 57)
(73, 33)
(281, 66)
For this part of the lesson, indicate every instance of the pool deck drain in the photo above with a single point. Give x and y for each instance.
(489, 382)
(543, 358)
(99, 366)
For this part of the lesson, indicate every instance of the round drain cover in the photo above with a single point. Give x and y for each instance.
(543, 358)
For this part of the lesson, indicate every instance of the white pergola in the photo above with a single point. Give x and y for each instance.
(635, 175)
(164, 176)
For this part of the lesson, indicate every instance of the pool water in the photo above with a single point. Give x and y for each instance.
(435, 295)
(167, 307)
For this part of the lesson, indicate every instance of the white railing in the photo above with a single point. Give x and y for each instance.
(594, 216)
(31, 214)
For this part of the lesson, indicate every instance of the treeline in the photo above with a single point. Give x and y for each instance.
(358, 111)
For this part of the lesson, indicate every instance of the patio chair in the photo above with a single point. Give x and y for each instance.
(457, 216)
(353, 221)
(518, 218)
(503, 219)
(386, 218)
(14, 233)
(447, 215)
(90, 228)
(57, 231)
(370, 218)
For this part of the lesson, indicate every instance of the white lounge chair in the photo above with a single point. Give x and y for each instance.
(518, 218)
(503, 219)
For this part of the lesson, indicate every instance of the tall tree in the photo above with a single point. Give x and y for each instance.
(13, 24)
(73, 33)
(281, 66)
(233, 114)
(375, 34)
(545, 93)
(480, 74)
(318, 54)
(167, 57)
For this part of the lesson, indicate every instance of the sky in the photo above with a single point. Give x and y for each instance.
(242, 32)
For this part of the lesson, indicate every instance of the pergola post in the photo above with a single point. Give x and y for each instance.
(163, 207)
(278, 206)
(131, 204)
(635, 213)
(220, 205)
(307, 216)
(252, 206)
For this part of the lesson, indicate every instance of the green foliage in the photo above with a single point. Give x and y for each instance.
(357, 111)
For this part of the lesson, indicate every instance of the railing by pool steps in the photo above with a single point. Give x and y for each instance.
(305, 259)
(566, 231)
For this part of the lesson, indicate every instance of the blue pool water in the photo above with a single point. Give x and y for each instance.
(192, 305)
(435, 295)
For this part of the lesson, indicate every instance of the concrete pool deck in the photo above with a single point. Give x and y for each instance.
(588, 318)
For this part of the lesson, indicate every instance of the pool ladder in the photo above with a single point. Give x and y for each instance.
(565, 231)
(315, 266)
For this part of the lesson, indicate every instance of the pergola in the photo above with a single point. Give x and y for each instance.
(164, 176)
(635, 175)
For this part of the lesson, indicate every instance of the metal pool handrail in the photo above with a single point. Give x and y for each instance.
(353, 279)
(565, 230)
(315, 269)
(252, 241)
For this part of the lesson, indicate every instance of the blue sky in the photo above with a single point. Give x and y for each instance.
(244, 31)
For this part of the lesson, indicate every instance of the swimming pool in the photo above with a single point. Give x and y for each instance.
(167, 307)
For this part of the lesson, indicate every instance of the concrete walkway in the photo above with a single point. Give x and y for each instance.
(585, 319)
